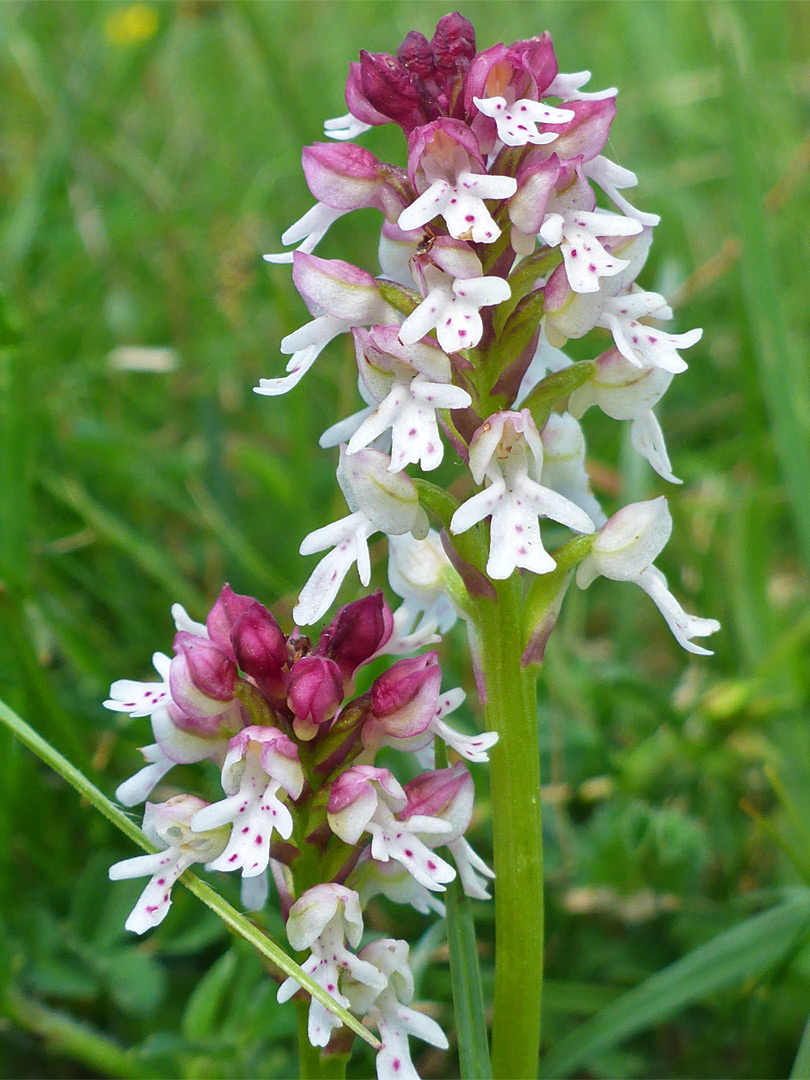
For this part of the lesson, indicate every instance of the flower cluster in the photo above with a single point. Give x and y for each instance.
(303, 799)
(493, 253)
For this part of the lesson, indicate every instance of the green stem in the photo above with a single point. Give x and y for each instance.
(511, 710)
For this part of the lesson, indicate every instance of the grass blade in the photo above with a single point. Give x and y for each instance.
(465, 975)
(468, 998)
(744, 951)
(801, 1066)
(229, 915)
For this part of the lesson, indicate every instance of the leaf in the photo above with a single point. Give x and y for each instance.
(468, 997)
(801, 1066)
(207, 998)
(229, 915)
(745, 951)
(136, 981)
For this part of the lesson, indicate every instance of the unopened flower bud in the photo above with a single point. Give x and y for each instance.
(358, 632)
(227, 609)
(201, 677)
(261, 649)
(314, 692)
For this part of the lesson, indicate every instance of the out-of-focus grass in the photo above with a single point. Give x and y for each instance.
(150, 154)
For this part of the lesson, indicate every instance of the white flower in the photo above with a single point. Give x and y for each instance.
(341, 296)
(564, 464)
(366, 799)
(586, 260)
(517, 122)
(624, 550)
(323, 920)
(645, 346)
(626, 392)
(307, 232)
(389, 1010)
(567, 87)
(167, 825)
(260, 761)
(442, 169)
(344, 127)
(410, 383)
(452, 307)
(380, 501)
(416, 570)
(507, 452)
(472, 870)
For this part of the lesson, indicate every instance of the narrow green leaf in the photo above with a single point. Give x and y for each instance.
(468, 997)
(229, 915)
(801, 1066)
(557, 385)
(746, 950)
(207, 998)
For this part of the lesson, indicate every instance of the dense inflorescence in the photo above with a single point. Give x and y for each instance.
(303, 800)
(493, 254)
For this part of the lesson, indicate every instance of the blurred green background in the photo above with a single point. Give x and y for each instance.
(150, 155)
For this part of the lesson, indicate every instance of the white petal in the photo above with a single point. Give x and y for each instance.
(648, 438)
(429, 204)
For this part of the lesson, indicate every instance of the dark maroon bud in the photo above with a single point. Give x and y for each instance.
(358, 631)
(392, 90)
(260, 648)
(314, 692)
(227, 609)
(453, 44)
(201, 676)
(416, 55)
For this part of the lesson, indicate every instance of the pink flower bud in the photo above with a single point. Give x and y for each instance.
(358, 632)
(346, 177)
(227, 609)
(261, 649)
(201, 676)
(404, 698)
(314, 692)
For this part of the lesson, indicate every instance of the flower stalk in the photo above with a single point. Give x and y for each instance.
(510, 709)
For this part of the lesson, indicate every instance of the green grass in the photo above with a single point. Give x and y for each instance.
(141, 182)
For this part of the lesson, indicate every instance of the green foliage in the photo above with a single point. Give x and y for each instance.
(142, 179)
